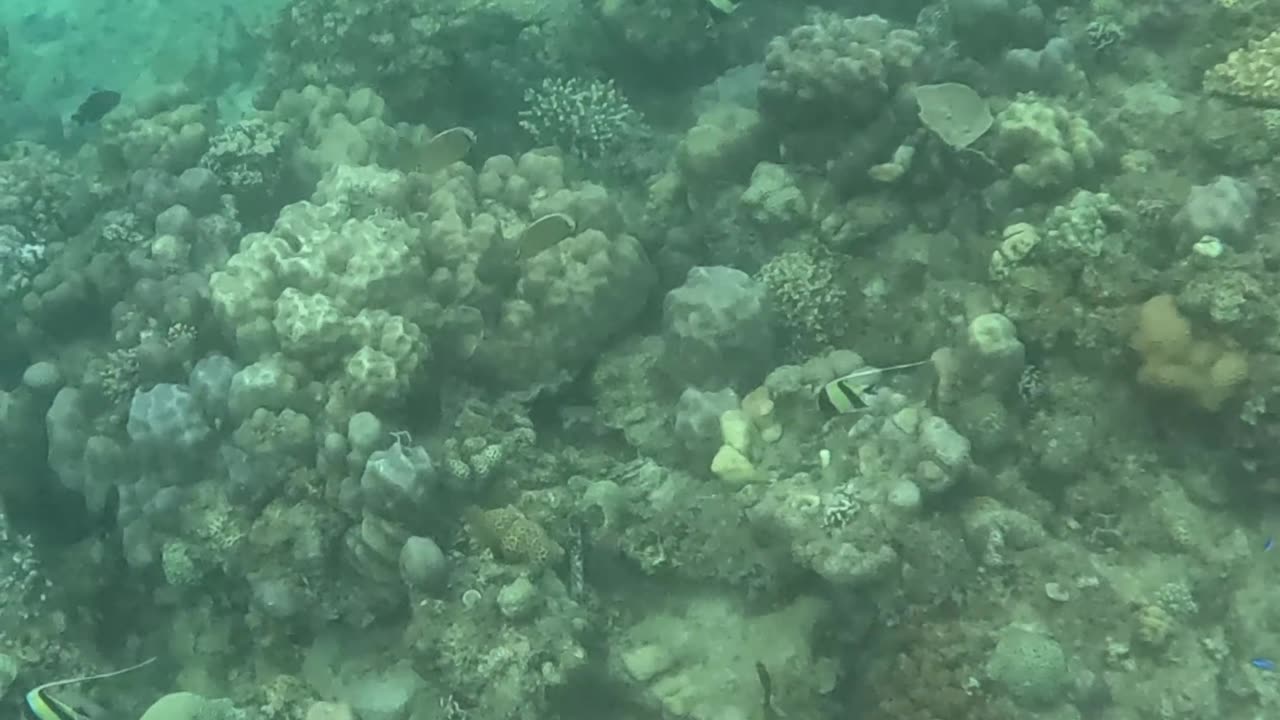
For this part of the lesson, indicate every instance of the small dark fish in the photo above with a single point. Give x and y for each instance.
(766, 687)
(1263, 664)
(1270, 543)
(97, 105)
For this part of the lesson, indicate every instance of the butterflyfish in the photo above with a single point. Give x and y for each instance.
(849, 393)
(545, 233)
(445, 149)
(40, 705)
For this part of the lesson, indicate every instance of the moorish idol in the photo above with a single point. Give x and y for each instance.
(848, 394)
(41, 705)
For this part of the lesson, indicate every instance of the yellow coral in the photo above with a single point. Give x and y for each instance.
(1162, 330)
(1175, 360)
(1250, 73)
(758, 405)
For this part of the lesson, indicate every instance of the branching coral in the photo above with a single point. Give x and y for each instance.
(249, 158)
(39, 194)
(585, 118)
(807, 300)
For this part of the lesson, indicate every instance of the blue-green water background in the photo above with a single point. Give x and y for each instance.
(60, 52)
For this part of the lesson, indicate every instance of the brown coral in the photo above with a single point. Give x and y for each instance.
(1179, 361)
(512, 536)
(931, 677)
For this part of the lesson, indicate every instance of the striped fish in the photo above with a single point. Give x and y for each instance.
(41, 705)
(848, 394)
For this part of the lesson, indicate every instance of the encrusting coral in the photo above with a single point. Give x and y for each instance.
(1177, 360)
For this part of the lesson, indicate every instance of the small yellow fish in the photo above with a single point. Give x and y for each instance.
(40, 705)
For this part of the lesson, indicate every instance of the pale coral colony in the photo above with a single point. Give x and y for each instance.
(461, 360)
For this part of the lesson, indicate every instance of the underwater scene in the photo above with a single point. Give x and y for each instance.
(640, 359)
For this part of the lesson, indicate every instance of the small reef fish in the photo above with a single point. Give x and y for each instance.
(1263, 664)
(445, 149)
(545, 233)
(1270, 543)
(848, 394)
(96, 106)
(766, 688)
(40, 705)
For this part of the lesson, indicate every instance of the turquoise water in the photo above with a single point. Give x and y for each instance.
(61, 51)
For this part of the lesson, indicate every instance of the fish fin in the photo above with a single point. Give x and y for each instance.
(873, 371)
(907, 366)
(890, 368)
(842, 397)
(86, 678)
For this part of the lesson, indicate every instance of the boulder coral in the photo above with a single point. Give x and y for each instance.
(1043, 145)
(1177, 360)
(836, 69)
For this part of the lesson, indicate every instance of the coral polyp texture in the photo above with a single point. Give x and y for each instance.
(347, 281)
(1251, 73)
(1044, 145)
(836, 69)
(589, 119)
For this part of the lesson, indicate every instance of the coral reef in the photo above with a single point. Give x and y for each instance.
(588, 119)
(717, 329)
(807, 299)
(709, 360)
